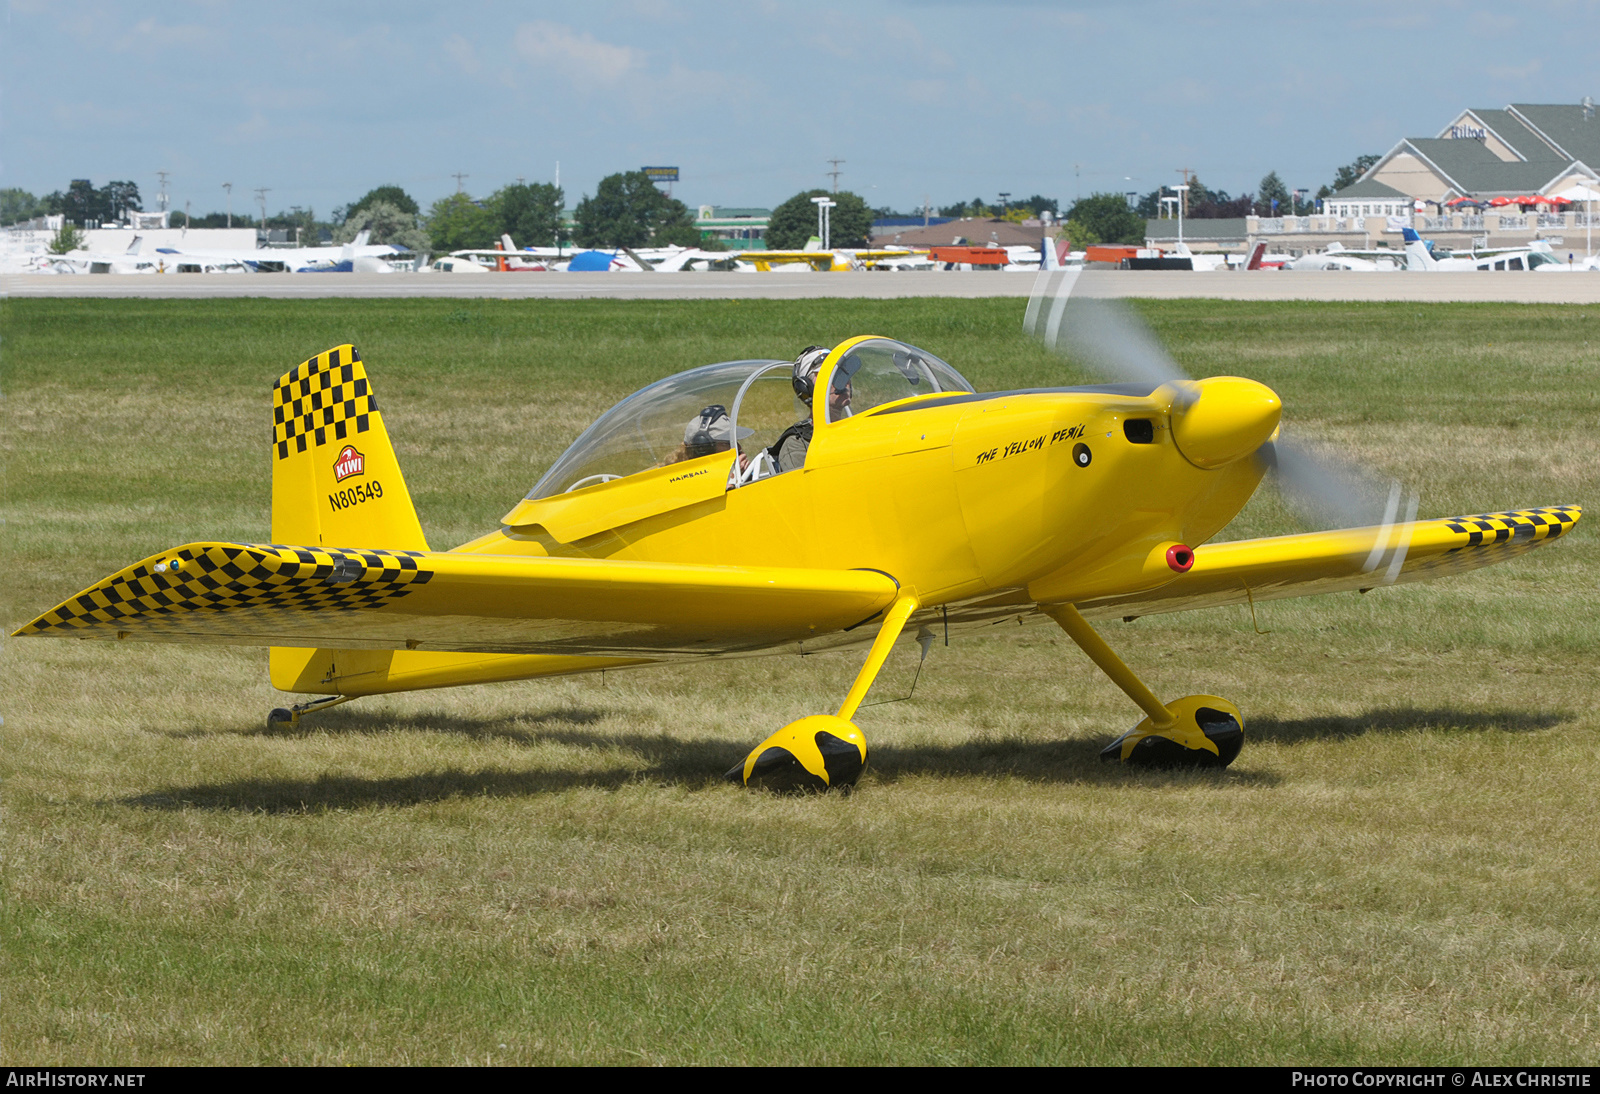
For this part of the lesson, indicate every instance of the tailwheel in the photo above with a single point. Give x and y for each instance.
(1207, 731)
(283, 717)
(816, 754)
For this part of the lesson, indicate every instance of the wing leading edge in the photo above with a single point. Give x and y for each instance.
(274, 595)
(1349, 558)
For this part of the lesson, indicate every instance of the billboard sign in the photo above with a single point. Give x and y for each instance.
(661, 174)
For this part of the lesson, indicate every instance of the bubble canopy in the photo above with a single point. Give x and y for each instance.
(866, 373)
(651, 428)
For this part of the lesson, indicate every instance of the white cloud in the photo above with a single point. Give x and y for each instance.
(580, 53)
(149, 34)
(461, 52)
(1516, 72)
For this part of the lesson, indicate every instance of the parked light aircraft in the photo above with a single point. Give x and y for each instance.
(665, 533)
(357, 256)
(504, 258)
(508, 258)
(130, 261)
(134, 260)
(813, 256)
(1535, 256)
(1337, 257)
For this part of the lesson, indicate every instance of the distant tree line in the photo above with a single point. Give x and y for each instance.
(1028, 208)
(81, 203)
(628, 210)
(1206, 203)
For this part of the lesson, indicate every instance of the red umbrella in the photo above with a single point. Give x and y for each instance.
(1501, 202)
(1554, 199)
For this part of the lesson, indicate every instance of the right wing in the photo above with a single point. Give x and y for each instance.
(333, 598)
(1350, 558)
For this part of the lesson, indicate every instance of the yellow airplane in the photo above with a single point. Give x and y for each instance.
(666, 532)
(822, 261)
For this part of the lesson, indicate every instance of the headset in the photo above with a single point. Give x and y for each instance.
(806, 367)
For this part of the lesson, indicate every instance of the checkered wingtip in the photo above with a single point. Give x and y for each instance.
(1490, 538)
(213, 582)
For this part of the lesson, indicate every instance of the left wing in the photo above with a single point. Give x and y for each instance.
(334, 598)
(1349, 558)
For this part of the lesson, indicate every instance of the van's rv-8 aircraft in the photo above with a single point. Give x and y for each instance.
(923, 508)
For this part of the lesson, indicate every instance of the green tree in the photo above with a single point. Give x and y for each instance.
(457, 223)
(1349, 175)
(1038, 204)
(1149, 206)
(68, 238)
(1079, 236)
(976, 208)
(529, 214)
(389, 195)
(81, 202)
(17, 205)
(1269, 190)
(678, 229)
(116, 199)
(388, 224)
(1108, 217)
(1201, 194)
(628, 211)
(795, 221)
(1200, 202)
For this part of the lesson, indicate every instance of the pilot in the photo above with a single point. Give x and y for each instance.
(789, 451)
(709, 431)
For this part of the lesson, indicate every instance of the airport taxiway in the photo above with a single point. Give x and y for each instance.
(1466, 287)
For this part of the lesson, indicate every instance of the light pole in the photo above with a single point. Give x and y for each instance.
(823, 204)
(1182, 190)
(228, 186)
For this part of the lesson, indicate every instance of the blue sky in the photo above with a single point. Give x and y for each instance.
(948, 101)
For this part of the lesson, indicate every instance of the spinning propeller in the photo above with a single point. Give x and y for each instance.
(1110, 339)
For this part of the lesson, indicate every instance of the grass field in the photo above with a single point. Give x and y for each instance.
(1401, 867)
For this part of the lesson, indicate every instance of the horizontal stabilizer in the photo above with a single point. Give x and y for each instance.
(338, 598)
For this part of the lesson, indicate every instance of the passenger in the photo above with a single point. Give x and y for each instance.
(709, 431)
(789, 451)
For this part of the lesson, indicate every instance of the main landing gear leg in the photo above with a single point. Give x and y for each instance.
(825, 750)
(289, 716)
(1195, 731)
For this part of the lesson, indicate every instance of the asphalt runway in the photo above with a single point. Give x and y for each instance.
(1469, 287)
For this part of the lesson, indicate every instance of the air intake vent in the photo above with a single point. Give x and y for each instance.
(1139, 430)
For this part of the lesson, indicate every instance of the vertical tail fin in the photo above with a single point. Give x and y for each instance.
(1417, 256)
(335, 482)
(1049, 257)
(335, 479)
